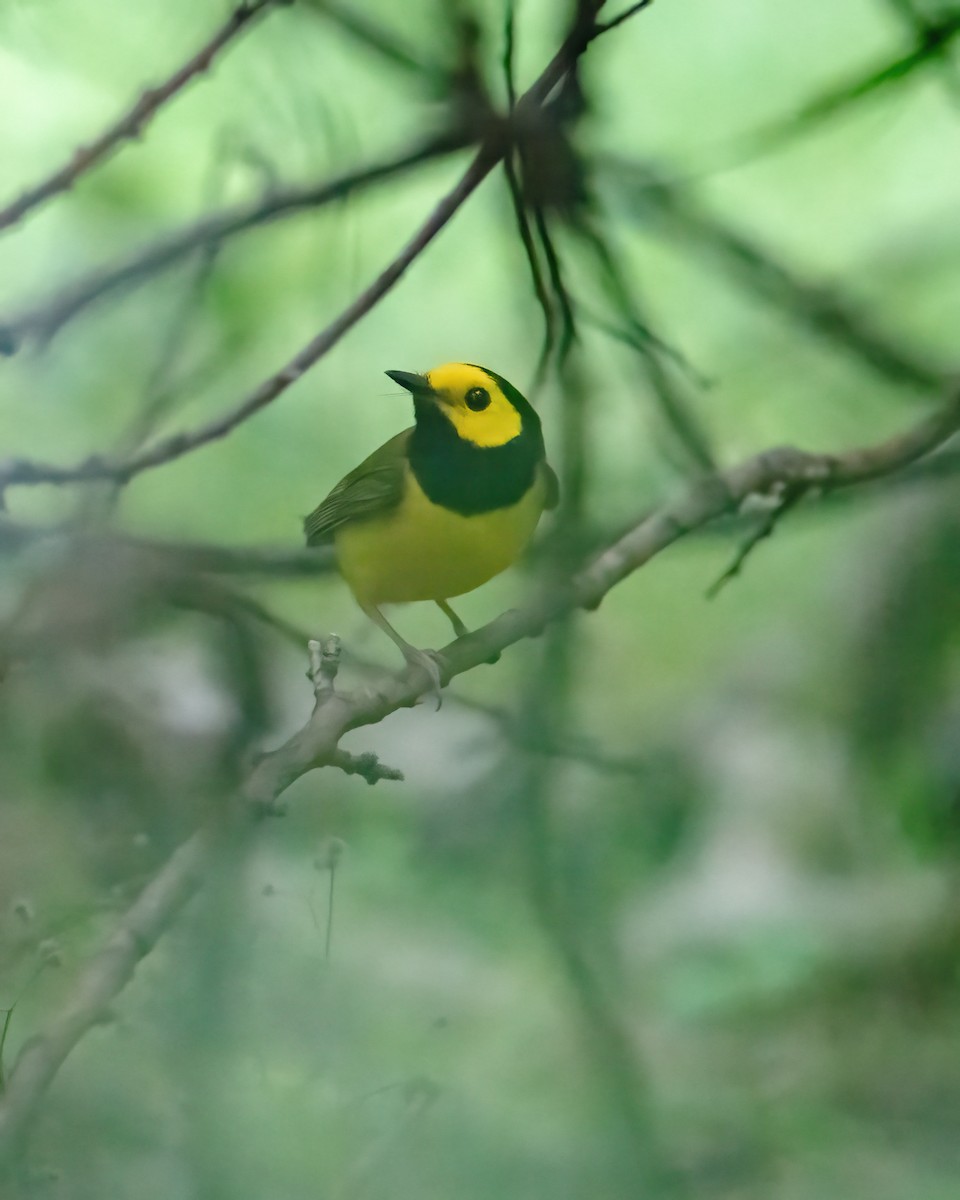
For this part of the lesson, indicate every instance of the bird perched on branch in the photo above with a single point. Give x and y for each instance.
(444, 506)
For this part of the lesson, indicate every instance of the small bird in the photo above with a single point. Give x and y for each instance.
(443, 506)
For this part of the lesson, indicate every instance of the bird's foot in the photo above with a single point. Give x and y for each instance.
(428, 661)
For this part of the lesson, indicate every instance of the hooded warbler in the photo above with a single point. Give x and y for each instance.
(443, 506)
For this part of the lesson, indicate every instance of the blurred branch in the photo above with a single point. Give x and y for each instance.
(418, 1095)
(316, 744)
(544, 716)
(491, 151)
(606, 26)
(508, 62)
(283, 562)
(519, 204)
(22, 471)
(635, 329)
(132, 123)
(43, 320)
(162, 390)
(792, 494)
(568, 321)
(824, 311)
(105, 976)
(368, 33)
(933, 39)
(545, 712)
(922, 27)
(533, 262)
(570, 746)
(278, 561)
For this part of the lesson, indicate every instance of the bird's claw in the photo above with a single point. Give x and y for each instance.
(428, 661)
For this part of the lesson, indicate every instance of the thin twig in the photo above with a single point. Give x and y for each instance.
(44, 319)
(568, 321)
(4, 1030)
(533, 261)
(763, 529)
(509, 46)
(133, 122)
(825, 311)
(679, 415)
(606, 26)
(328, 935)
(629, 335)
(519, 204)
(367, 33)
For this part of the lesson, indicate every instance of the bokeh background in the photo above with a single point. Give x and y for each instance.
(694, 935)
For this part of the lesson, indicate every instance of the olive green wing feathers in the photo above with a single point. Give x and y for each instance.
(373, 488)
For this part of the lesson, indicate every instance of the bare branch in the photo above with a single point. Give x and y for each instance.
(317, 743)
(133, 122)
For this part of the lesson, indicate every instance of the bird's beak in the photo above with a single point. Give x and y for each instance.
(417, 385)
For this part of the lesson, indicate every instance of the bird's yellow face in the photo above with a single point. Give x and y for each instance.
(474, 404)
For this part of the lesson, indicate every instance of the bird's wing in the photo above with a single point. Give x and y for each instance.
(375, 487)
(553, 486)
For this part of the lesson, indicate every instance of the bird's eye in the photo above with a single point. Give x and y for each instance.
(477, 398)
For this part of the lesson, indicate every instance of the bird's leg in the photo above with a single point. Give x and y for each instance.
(458, 626)
(424, 659)
(459, 629)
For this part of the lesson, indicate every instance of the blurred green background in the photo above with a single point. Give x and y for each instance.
(751, 821)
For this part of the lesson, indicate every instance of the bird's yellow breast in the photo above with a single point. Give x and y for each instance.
(421, 551)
